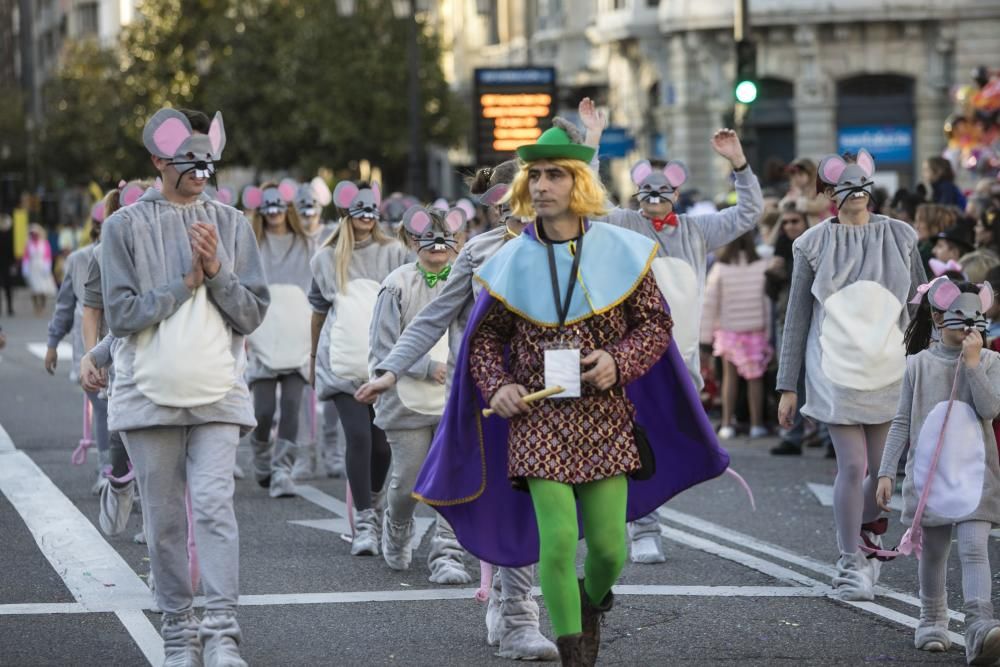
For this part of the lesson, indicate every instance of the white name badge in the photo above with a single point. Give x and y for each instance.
(562, 369)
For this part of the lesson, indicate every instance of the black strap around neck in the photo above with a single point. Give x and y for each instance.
(562, 308)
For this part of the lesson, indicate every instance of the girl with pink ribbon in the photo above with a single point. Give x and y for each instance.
(950, 394)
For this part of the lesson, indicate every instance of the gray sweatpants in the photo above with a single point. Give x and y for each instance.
(973, 538)
(166, 460)
(409, 449)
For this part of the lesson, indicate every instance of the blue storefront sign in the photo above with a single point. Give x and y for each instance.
(886, 143)
(616, 142)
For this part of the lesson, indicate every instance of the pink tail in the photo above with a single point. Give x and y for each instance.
(79, 455)
(746, 487)
(193, 568)
(485, 581)
(127, 477)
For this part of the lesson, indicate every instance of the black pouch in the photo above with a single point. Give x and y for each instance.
(647, 461)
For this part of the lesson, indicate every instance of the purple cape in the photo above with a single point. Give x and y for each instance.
(464, 476)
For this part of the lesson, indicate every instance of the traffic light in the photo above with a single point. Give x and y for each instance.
(746, 71)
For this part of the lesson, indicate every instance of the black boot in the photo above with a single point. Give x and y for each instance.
(591, 616)
(570, 650)
(787, 449)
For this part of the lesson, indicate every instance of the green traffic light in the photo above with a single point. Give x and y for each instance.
(746, 92)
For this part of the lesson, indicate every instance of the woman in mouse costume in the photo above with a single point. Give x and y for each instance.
(683, 242)
(278, 351)
(846, 315)
(347, 273)
(511, 613)
(410, 411)
(183, 285)
(566, 295)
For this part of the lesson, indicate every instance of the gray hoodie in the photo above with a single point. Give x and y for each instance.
(145, 253)
(342, 352)
(966, 485)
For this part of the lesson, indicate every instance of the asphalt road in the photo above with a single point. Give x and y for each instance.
(739, 586)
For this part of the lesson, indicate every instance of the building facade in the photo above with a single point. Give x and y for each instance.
(831, 76)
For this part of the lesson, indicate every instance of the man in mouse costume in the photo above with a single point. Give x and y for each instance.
(183, 285)
(569, 303)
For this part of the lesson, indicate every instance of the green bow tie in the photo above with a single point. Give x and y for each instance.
(433, 278)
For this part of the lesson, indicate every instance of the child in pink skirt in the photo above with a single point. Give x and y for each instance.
(735, 321)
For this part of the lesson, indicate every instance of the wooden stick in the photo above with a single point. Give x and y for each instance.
(530, 398)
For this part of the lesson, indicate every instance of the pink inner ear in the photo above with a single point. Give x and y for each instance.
(641, 171)
(832, 169)
(377, 191)
(946, 294)
(419, 222)
(467, 207)
(454, 220)
(287, 189)
(252, 197)
(866, 162)
(321, 191)
(97, 212)
(169, 136)
(675, 174)
(986, 296)
(131, 194)
(215, 134)
(345, 193)
(493, 196)
(440, 203)
(225, 196)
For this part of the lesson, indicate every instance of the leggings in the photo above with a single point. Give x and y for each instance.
(972, 551)
(602, 504)
(368, 453)
(264, 405)
(859, 455)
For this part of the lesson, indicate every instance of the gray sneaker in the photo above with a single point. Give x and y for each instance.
(365, 542)
(853, 580)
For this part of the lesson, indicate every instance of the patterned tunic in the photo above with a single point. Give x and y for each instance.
(579, 440)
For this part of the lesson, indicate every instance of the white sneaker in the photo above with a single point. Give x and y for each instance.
(727, 433)
(116, 505)
(99, 483)
(647, 549)
(365, 542)
(758, 432)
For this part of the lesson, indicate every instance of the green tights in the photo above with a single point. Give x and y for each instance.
(603, 506)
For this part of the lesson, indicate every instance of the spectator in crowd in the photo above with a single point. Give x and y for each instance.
(36, 267)
(736, 320)
(954, 242)
(8, 267)
(976, 264)
(939, 175)
(903, 205)
(802, 190)
(987, 237)
(931, 220)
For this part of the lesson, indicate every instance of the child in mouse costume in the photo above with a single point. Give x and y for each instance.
(573, 293)
(183, 285)
(852, 276)
(410, 411)
(683, 242)
(347, 273)
(949, 397)
(278, 351)
(512, 613)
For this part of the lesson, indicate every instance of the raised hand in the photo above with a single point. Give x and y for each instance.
(204, 241)
(727, 144)
(593, 119)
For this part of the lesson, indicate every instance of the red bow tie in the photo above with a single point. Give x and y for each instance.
(669, 219)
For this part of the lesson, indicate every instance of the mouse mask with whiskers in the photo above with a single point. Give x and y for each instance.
(961, 310)
(432, 228)
(169, 135)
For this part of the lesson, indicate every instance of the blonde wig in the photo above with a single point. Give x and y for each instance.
(587, 198)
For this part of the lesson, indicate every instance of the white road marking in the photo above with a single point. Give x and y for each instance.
(95, 574)
(783, 573)
(753, 544)
(339, 507)
(824, 494)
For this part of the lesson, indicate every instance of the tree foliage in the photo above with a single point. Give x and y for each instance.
(300, 86)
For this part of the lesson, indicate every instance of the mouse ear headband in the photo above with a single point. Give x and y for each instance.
(358, 202)
(962, 310)
(169, 135)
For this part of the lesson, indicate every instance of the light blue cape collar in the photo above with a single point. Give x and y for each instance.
(613, 263)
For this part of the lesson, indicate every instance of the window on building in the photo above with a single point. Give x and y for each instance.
(619, 4)
(652, 3)
(493, 25)
(86, 18)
